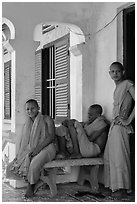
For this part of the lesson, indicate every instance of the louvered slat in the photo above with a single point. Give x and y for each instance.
(63, 55)
(47, 28)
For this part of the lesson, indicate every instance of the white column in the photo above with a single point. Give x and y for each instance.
(76, 82)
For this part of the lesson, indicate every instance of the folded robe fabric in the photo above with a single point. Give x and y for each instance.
(33, 134)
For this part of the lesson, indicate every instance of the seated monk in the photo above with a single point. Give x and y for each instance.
(86, 139)
(36, 147)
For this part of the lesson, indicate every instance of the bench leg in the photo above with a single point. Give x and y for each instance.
(81, 177)
(89, 173)
(50, 180)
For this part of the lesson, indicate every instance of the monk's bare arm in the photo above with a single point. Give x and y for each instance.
(51, 127)
(132, 115)
(101, 141)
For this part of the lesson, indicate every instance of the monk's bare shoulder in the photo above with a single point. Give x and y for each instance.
(50, 124)
(48, 120)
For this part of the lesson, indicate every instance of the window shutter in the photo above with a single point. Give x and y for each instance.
(62, 78)
(7, 90)
(38, 78)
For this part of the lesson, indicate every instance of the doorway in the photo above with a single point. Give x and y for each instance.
(129, 64)
(129, 42)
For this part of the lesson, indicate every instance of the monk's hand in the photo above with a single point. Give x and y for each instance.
(77, 124)
(16, 157)
(65, 122)
(123, 122)
(34, 152)
(68, 122)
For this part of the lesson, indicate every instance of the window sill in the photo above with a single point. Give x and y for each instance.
(7, 121)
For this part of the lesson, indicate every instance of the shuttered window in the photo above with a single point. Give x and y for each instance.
(7, 90)
(52, 79)
(38, 77)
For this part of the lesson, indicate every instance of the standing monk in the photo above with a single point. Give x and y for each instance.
(117, 152)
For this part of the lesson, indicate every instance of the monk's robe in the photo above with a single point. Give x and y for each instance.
(117, 152)
(88, 148)
(34, 133)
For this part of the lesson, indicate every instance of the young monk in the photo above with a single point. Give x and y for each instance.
(87, 139)
(117, 152)
(36, 146)
(92, 136)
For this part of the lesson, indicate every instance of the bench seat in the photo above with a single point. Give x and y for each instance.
(88, 171)
(74, 162)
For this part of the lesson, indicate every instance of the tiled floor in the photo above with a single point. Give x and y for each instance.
(66, 193)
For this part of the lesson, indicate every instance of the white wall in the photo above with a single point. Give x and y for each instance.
(105, 49)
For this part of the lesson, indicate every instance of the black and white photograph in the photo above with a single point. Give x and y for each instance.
(68, 101)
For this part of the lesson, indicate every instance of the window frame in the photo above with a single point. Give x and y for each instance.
(47, 46)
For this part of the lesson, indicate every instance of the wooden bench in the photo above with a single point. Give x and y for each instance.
(88, 171)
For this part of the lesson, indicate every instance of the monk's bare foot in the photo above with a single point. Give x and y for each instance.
(30, 191)
(117, 194)
(75, 156)
(60, 156)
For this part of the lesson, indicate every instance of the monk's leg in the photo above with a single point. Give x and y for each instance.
(46, 155)
(61, 132)
(30, 190)
(62, 147)
(73, 134)
(81, 137)
(87, 148)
